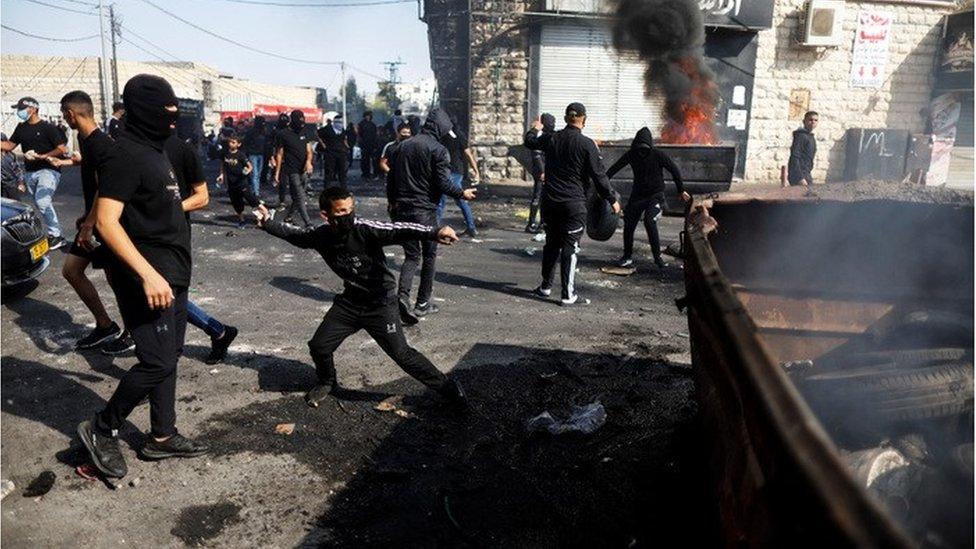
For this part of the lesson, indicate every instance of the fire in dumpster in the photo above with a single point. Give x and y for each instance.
(695, 120)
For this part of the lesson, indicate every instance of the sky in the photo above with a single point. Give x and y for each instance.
(363, 36)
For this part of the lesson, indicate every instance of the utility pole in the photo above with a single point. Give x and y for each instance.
(342, 68)
(394, 69)
(103, 65)
(116, 27)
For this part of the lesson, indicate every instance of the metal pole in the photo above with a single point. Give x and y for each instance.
(343, 69)
(103, 65)
(115, 60)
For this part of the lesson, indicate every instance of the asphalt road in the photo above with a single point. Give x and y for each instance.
(350, 475)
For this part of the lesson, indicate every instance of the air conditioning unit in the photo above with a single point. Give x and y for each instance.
(824, 23)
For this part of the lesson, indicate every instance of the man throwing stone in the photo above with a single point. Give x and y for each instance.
(353, 249)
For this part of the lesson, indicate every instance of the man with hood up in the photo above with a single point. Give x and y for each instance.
(539, 175)
(293, 164)
(647, 195)
(280, 126)
(420, 173)
(139, 215)
(572, 162)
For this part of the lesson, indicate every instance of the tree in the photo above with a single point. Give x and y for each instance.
(388, 94)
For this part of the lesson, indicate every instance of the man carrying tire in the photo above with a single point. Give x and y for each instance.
(572, 159)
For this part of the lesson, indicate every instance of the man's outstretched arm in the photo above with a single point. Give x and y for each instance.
(389, 233)
(300, 237)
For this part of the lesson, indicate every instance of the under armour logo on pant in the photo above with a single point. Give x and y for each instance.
(160, 328)
(391, 328)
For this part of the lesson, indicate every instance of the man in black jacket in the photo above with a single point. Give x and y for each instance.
(803, 151)
(572, 160)
(335, 152)
(353, 249)
(420, 174)
(647, 194)
(539, 175)
(367, 145)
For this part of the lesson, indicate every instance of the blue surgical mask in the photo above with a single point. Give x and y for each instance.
(23, 114)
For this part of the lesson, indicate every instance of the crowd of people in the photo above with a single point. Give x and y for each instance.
(140, 181)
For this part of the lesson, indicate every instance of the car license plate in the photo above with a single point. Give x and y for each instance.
(38, 250)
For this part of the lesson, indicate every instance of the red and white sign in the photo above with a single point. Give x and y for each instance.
(313, 115)
(870, 60)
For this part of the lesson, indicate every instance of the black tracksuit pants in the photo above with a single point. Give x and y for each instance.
(536, 199)
(413, 252)
(240, 193)
(336, 166)
(648, 209)
(565, 222)
(296, 187)
(382, 323)
(158, 336)
(366, 160)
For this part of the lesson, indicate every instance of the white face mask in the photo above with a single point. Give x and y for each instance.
(337, 124)
(23, 114)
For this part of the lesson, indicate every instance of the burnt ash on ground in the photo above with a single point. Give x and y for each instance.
(449, 478)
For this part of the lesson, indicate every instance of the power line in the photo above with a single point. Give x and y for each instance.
(235, 42)
(49, 38)
(89, 4)
(335, 5)
(72, 10)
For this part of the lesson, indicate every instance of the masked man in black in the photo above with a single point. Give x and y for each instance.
(353, 249)
(368, 144)
(139, 215)
(539, 175)
(572, 160)
(647, 195)
(420, 174)
(293, 163)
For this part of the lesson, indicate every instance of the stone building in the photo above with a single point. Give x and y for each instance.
(500, 63)
(48, 78)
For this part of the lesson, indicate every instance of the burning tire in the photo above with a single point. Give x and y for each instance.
(601, 222)
(885, 395)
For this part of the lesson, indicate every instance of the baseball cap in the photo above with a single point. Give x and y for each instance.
(576, 108)
(25, 102)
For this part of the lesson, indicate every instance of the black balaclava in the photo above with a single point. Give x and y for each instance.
(146, 97)
(343, 223)
(548, 122)
(282, 121)
(643, 142)
(297, 120)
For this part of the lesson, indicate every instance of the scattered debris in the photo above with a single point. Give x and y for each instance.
(135, 482)
(285, 428)
(618, 271)
(682, 334)
(797, 365)
(6, 487)
(215, 371)
(541, 237)
(582, 419)
(40, 485)
(389, 404)
(529, 251)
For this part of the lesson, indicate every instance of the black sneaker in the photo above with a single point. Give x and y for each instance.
(542, 291)
(470, 233)
(407, 316)
(175, 446)
(424, 309)
(661, 263)
(320, 392)
(119, 346)
(103, 449)
(219, 346)
(55, 242)
(625, 262)
(454, 394)
(575, 300)
(99, 336)
(532, 228)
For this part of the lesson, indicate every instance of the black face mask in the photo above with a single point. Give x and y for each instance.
(297, 120)
(343, 223)
(146, 98)
(282, 121)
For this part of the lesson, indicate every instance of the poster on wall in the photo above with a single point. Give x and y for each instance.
(955, 70)
(870, 59)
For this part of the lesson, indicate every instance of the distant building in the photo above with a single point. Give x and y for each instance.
(48, 78)
(416, 97)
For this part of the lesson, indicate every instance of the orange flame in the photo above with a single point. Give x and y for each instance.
(697, 110)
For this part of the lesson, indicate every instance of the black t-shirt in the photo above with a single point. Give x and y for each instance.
(41, 138)
(333, 141)
(186, 164)
(115, 127)
(234, 164)
(94, 152)
(294, 145)
(455, 146)
(256, 141)
(143, 178)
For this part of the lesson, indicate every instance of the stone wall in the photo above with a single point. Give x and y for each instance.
(783, 66)
(499, 84)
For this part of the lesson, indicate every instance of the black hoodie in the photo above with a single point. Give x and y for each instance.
(802, 152)
(420, 168)
(539, 157)
(648, 164)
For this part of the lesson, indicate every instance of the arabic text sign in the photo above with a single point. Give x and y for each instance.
(870, 60)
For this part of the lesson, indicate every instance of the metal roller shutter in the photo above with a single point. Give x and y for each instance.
(577, 62)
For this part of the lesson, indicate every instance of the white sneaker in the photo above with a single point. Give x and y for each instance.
(625, 263)
(542, 291)
(575, 300)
